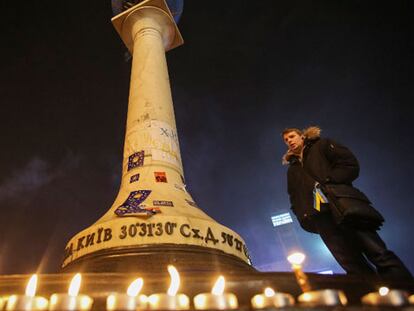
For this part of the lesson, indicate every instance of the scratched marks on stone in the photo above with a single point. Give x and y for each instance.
(132, 205)
(168, 132)
(134, 178)
(136, 160)
(191, 203)
(179, 187)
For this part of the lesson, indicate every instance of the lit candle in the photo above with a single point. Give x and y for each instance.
(217, 299)
(296, 260)
(270, 299)
(130, 300)
(411, 299)
(72, 300)
(323, 297)
(3, 301)
(171, 300)
(386, 297)
(29, 301)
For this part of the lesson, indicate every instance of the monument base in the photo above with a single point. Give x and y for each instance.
(153, 258)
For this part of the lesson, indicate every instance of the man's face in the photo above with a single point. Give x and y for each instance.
(294, 141)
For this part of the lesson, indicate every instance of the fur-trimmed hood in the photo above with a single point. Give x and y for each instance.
(311, 133)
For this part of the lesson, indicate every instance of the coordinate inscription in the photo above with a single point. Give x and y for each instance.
(154, 230)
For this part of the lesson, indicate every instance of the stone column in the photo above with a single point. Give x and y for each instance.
(154, 220)
(151, 122)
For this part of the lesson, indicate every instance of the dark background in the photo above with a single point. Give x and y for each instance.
(248, 69)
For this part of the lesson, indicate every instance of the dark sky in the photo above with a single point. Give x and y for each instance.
(247, 70)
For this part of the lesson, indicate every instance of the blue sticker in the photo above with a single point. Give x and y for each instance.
(134, 178)
(162, 203)
(132, 204)
(136, 160)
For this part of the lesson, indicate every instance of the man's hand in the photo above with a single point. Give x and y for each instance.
(292, 157)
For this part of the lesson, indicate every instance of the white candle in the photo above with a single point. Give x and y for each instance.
(72, 300)
(386, 297)
(217, 299)
(270, 299)
(29, 301)
(3, 301)
(323, 297)
(129, 301)
(171, 300)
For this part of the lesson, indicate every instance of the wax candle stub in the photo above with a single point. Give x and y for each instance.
(118, 301)
(26, 303)
(171, 300)
(392, 297)
(29, 301)
(270, 299)
(129, 301)
(72, 301)
(217, 299)
(2, 302)
(324, 297)
(164, 301)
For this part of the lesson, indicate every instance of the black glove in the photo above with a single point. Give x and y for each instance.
(293, 159)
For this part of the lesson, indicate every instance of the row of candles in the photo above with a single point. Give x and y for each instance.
(217, 299)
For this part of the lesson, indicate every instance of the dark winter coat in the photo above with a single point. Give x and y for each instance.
(324, 161)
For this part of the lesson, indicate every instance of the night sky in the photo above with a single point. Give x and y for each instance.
(247, 70)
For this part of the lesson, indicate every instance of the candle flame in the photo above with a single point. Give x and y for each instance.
(153, 299)
(218, 287)
(296, 258)
(11, 302)
(233, 303)
(258, 301)
(200, 301)
(110, 302)
(135, 287)
(75, 285)
(269, 292)
(41, 303)
(306, 297)
(183, 300)
(31, 286)
(85, 303)
(175, 281)
(53, 299)
(383, 291)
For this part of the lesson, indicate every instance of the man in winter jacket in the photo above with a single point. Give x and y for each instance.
(314, 159)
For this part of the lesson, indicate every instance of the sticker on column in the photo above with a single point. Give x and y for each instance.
(133, 205)
(160, 177)
(136, 160)
(162, 203)
(134, 178)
